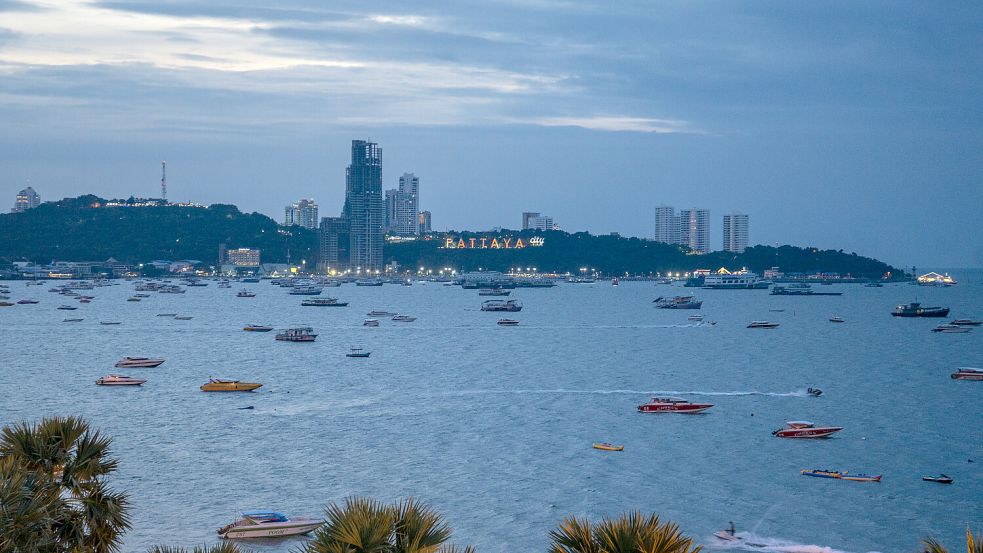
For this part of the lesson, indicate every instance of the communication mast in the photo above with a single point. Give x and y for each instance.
(163, 180)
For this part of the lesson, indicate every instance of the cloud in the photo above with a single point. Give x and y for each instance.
(617, 123)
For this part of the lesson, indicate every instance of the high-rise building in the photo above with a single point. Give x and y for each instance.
(694, 229)
(392, 197)
(402, 206)
(302, 213)
(537, 221)
(26, 199)
(243, 257)
(735, 232)
(334, 242)
(423, 220)
(526, 215)
(364, 207)
(666, 225)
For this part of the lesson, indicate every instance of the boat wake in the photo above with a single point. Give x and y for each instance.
(796, 393)
(752, 542)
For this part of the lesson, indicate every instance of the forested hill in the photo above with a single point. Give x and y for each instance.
(84, 229)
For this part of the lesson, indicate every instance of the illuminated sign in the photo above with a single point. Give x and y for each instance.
(492, 243)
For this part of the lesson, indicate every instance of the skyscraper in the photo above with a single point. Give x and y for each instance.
(402, 206)
(302, 213)
(392, 198)
(694, 229)
(423, 220)
(666, 225)
(334, 242)
(364, 207)
(26, 199)
(735, 232)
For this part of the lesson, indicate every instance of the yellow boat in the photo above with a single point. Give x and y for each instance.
(221, 385)
(604, 446)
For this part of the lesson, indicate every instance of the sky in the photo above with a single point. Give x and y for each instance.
(843, 125)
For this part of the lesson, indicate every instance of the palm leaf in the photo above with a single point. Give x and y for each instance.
(418, 528)
(573, 536)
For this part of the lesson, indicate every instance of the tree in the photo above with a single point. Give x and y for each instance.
(629, 533)
(53, 492)
(362, 525)
(974, 544)
(224, 547)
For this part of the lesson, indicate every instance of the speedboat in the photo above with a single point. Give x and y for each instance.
(508, 322)
(138, 362)
(762, 324)
(915, 309)
(805, 429)
(941, 479)
(376, 313)
(967, 373)
(72, 320)
(836, 319)
(66, 307)
(324, 302)
(370, 322)
(501, 305)
(358, 352)
(814, 392)
(673, 405)
(222, 385)
(110, 322)
(605, 446)
(245, 294)
(403, 319)
(957, 322)
(119, 380)
(298, 334)
(841, 475)
(257, 328)
(952, 329)
(267, 524)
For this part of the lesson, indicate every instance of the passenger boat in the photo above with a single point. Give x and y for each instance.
(967, 373)
(403, 318)
(952, 329)
(836, 319)
(119, 380)
(604, 446)
(305, 291)
(324, 302)
(762, 324)
(358, 352)
(805, 429)
(844, 475)
(369, 282)
(376, 313)
(298, 334)
(941, 479)
(741, 280)
(245, 294)
(677, 302)
(27, 302)
(370, 322)
(494, 292)
(957, 322)
(267, 524)
(222, 385)
(138, 363)
(257, 328)
(508, 322)
(66, 307)
(673, 405)
(915, 309)
(501, 305)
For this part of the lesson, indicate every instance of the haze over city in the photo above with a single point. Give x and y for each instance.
(845, 126)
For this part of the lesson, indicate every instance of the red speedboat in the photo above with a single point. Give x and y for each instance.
(673, 405)
(804, 429)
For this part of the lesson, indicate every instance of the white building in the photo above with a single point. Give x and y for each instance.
(666, 225)
(735, 232)
(537, 221)
(302, 213)
(26, 199)
(403, 206)
(694, 229)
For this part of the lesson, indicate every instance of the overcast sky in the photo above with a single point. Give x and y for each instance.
(846, 125)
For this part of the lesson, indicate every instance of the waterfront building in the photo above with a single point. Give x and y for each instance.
(243, 257)
(735, 232)
(666, 225)
(403, 205)
(537, 221)
(302, 213)
(364, 207)
(391, 200)
(423, 220)
(334, 244)
(694, 229)
(26, 199)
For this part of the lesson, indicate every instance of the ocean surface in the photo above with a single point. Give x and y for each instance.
(493, 425)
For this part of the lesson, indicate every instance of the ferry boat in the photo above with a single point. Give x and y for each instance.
(369, 282)
(298, 334)
(742, 280)
(805, 429)
(358, 352)
(844, 475)
(915, 309)
(762, 324)
(305, 291)
(957, 322)
(119, 380)
(223, 385)
(789, 291)
(245, 294)
(138, 363)
(508, 322)
(967, 373)
(403, 318)
(494, 292)
(678, 302)
(324, 302)
(605, 446)
(952, 329)
(501, 305)
(673, 405)
(267, 524)
(257, 328)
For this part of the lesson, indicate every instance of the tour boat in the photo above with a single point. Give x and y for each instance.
(268, 524)
(957, 322)
(508, 322)
(31, 302)
(358, 352)
(604, 446)
(66, 307)
(299, 334)
(741, 280)
(245, 294)
(941, 479)
(836, 319)
(844, 475)
(138, 362)
(369, 282)
(324, 302)
(762, 324)
(222, 385)
(119, 380)
(501, 305)
(305, 291)
(403, 318)
(370, 322)
(494, 292)
(375, 313)
(673, 405)
(967, 373)
(805, 429)
(915, 309)
(952, 329)
(677, 302)
(257, 328)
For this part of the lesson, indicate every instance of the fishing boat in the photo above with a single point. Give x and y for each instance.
(267, 524)
(841, 475)
(952, 329)
(298, 334)
(762, 324)
(678, 302)
(957, 322)
(138, 363)
(860, 477)
(223, 385)
(673, 405)
(494, 292)
(257, 328)
(915, 309)
(324, 302)
(358, 352)
(245, 294)
(501, 305)
(119, 380)
(370, 322)
(508, 322)
(805, 429)
(605, 446)
(403, 318)
(836, 319)
(967, 373)
(941, 479)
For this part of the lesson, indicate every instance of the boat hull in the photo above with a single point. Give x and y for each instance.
(271, 530)
(687, 408)
(236, 387)
(821, 432)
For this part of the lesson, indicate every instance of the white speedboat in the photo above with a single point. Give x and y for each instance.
(119, 380)
(267, 524)
(370, 322)
(403, 319)
(762, 324)
(138, 362)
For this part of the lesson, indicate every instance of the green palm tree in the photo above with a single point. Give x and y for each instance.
(224, 547)
(974, 544)
(54, 493)
(630, 533)
(362, 525)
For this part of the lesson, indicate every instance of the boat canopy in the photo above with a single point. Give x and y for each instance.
(800, 424)
(265, 516)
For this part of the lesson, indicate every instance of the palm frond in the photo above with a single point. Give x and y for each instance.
(360, 525)
(418, 528)
(933, 545)
(573, 536)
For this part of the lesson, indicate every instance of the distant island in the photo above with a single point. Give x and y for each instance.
(89, 228)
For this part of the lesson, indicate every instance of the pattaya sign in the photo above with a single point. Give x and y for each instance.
(492, 243)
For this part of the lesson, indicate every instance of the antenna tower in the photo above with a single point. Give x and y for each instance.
(163, 180)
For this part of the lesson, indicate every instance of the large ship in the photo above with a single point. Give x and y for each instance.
(678, 302)
(743, 280)
(915, 309)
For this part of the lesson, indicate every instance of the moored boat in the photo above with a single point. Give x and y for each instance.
(305, 291)
(967, 373)
(66, 307)
(267, 524)
(915, 309)
(119, 380)
(245, 294)
(224, 385)
(605, 446)
(26, 301)
(370, 322)
(957, 322)
(841, 475)
(257, 328)
(501, 305)
(941, 479)
(836, 319)
(762, 324)
(324, 302)
(358, 352)
(377, 313)
(298, 334)
(805, 429)
(677, 302)
(673, 405)
(952, 329)
(403, 318)
(138, 362)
